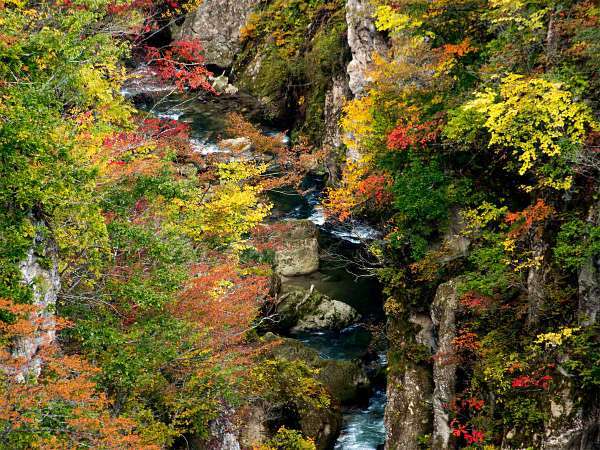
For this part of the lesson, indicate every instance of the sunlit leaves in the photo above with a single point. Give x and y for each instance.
(537, 121)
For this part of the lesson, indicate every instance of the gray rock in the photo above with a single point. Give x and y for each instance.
(569, 426)
(254, 430)
(328, 315)
(217, 24)
(300, 309)
(222, 86)
(240, 144)
(536, 276)
(335, 98)
(589, 281)
(444, 369)
(407, 412)
(300, 252)
(230, 89)
(345, 380)
(39, 270)
(409, 382)
(223, 434)
(456, 244)
(364, 40)
(219, 83)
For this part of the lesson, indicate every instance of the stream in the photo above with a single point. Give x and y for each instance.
(363, 424)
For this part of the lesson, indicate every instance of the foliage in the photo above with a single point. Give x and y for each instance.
(63, 406)
(287, 440)
(538, 121)
(160, 322)
(181, 62)
(576, 242)
(509, 173)
(300, 46)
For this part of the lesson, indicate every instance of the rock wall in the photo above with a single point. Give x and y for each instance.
(364, 40)
(39, 270)
(334, 103)
(409, 383)
(217, 24)
(589, 281)
(444, 368)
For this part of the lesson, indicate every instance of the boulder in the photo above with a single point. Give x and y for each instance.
(299, 254)
(240, 144)
(222, 86)
(300, 309)
(323, 425)
(346, 380)
(217, 24)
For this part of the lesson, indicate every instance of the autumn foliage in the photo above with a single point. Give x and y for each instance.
(63, 406)
(182, 63)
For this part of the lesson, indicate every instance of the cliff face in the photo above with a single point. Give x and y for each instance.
(39, 271)
(443, 316)
(217, 24)
(409, 383)
(589, 280)
(364, 41)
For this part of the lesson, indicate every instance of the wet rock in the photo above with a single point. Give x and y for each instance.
(364, 40)
(346, 380)
(444, 369)
(300, 309)
(217, 24)
(240, 144)
(300, 252)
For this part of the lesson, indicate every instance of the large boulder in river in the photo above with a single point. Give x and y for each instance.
(217, 24)
(345, 380)
(299, 254)
(302, 309)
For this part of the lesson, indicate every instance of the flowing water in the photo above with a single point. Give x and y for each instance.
(363, 425)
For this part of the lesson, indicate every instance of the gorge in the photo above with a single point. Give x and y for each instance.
(299, 224)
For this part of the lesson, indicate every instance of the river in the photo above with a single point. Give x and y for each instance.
(363, 424)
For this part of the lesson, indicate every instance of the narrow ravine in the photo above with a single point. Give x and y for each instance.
(363, 422)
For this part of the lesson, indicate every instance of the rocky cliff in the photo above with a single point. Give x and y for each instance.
(217, 24)
(39, 271)
(364, 41)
